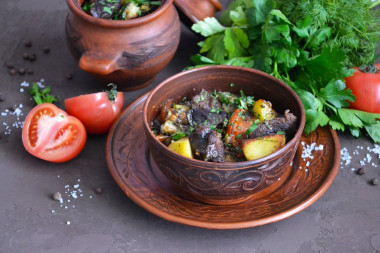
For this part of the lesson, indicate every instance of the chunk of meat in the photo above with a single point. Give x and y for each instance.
(104, 9)
(215, 148)
(205, 100)
(207, 144)
(286, 123)
(208, 118)
(199, 141)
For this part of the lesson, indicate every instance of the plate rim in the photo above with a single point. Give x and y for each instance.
(212, 225)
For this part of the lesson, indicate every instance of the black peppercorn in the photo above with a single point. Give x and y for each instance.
(12, 108)
(360, 171)
(69, 76)
(374, 181)
(10, 66)
(57, 196)
(21, 71)
(29, 71)
(98, 190)
(25, 56)
(2, 97)
(12, 72)
(32, 57)
(28, 43)
(46, 50)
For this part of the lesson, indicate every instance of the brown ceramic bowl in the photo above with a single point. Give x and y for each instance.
(129, 53)
(224, 183)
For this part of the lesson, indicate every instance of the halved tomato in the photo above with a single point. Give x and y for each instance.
(49, 133)
(97, 111)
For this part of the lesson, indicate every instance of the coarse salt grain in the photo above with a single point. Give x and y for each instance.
(24, 84)
(345, 156)
(74, 195)
(68, 222)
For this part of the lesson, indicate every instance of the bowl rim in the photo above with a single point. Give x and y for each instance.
(224, 165)
(75, 7)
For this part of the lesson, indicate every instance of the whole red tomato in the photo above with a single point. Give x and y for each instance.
(366, 87)
(52, 135)
(97, 111)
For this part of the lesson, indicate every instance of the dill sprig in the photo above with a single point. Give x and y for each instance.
(354, 25)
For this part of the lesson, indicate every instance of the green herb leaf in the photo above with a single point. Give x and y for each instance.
(178, 135)
(252, 127)
(209, 26)
(235, 41)
(374, 131)
(42, 96)
(336, 93)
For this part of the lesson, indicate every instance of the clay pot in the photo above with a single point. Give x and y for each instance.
(129, 53)
(196, 10)
(224, 183)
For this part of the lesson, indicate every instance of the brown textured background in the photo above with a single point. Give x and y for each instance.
(345, 219)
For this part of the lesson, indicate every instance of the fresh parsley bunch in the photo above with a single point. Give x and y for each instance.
(253, 33)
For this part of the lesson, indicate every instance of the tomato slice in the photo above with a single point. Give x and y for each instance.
(238, 125)
(97, 111)
(49, 133)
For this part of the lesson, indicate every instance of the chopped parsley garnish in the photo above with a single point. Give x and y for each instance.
(252, 127)
(178, 135)
(215, 110)
(108, 10)
(42, 96)
(224, 99)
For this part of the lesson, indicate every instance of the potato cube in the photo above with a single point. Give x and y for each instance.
(262, 146)
(262, 110)
(182, 147)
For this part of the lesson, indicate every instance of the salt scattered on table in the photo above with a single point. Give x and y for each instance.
(367, 157)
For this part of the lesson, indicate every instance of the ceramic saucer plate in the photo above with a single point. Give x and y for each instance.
(130, 163)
